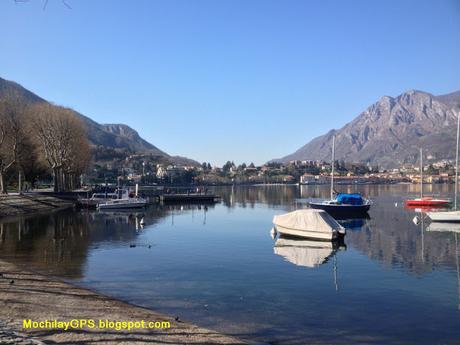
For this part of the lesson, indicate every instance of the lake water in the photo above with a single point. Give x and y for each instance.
(390, 282)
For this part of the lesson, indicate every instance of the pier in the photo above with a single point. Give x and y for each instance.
(190, 198)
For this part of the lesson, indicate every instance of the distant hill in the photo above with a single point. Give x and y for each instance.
(391, 131)
(116, 136)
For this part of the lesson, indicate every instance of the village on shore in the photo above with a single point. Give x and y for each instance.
(145, 169)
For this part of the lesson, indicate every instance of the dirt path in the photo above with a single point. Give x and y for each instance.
(27, 295)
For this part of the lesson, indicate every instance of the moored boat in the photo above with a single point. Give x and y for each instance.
(96, 199)
(447, 216)
(450, 216)
(343, 204)
(308, 223)
(425, 201)
(124, 201)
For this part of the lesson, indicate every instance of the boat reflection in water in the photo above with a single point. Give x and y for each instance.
(354, 224)
(454, 229)
(309, 253)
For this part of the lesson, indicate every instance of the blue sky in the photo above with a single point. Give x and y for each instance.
(221, 80)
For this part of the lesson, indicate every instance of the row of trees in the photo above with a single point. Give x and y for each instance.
(41, 137)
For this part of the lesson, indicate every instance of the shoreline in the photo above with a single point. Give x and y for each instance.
(12, 205)
(28, 295)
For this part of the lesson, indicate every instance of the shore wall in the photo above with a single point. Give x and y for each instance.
(26, 295)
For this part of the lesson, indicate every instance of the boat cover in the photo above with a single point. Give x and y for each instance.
(350, 199)
(308, 219)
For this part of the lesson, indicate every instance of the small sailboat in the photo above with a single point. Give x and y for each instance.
(342, 203)
(450, 216)
(308, 223)
(425, 201)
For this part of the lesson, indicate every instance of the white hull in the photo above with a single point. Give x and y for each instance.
(444, 227)
(448, 216)
(307, 233)
(122, 204)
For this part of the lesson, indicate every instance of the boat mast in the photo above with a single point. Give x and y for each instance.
(332, 164)
(456, 161)
(421, 173)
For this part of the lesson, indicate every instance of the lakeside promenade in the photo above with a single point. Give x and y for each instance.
(27, 295)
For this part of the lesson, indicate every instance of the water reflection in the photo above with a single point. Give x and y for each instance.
(306, 253)
(354, 224)
(453, 229)
(232, 277)
(60, 242)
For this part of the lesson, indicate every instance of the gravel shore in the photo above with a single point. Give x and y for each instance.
(28, 203)
(26, 295)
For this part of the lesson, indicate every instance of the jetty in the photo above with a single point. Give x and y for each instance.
(189, 198)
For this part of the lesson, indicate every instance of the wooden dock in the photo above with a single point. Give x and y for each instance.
(189, 198)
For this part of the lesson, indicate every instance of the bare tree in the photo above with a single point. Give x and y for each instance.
(64, 144)
(27, 155)
(11, 135)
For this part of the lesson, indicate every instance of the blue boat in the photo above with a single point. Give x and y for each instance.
(343, 204)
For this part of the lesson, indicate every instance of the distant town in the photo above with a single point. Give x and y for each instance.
(148, 169)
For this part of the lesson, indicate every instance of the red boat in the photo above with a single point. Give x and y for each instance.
(427, 201)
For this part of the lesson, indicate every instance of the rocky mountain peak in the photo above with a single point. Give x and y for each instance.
(390, 131)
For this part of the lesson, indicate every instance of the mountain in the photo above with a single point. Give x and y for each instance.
(116, 136)
(391, 132)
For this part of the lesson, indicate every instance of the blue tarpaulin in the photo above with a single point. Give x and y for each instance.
(350, 199)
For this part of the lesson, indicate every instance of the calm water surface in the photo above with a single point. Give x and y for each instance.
(391, 281)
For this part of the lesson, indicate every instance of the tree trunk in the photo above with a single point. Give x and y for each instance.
(61, 180)
(65, 181)
(20, 182)
(56, 179)
(2, 185)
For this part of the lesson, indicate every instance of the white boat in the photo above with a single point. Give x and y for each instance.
(444, 227)
(450, 216)
(309, 223)
(124, 201)
(445, 216)
(96, 199)
(302, 252)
